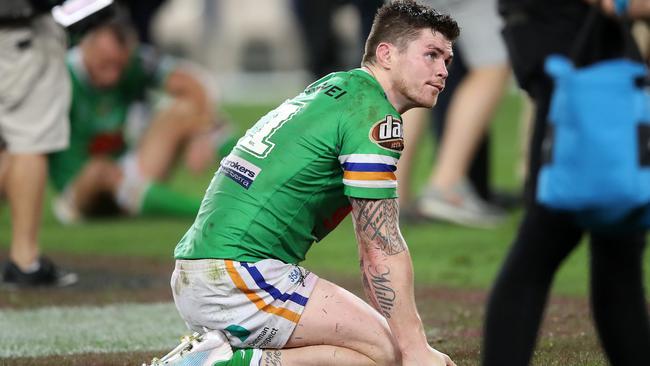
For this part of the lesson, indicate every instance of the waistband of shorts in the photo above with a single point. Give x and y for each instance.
(200, 264)
(14, 23)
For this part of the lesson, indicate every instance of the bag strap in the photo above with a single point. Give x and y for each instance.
(593, 23)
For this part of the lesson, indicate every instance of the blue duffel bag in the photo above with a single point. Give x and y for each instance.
(597, 146)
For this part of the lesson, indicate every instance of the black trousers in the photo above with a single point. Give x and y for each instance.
(546, 238)
(322, 46)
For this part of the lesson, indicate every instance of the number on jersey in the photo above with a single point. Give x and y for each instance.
(257, 139)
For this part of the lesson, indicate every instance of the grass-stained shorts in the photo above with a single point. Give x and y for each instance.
(256, 305)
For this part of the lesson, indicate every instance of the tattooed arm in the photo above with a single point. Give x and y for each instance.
(387, 274)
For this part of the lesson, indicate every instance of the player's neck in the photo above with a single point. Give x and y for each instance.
(387, 85)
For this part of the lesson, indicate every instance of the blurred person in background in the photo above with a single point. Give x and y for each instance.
(112, 167)
(291, 180)
(533, 30)
(34, 101)
(324, 48)
(458, 188)
(141, 13)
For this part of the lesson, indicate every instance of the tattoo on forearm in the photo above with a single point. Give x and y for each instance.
(366, 286)
(384, 294)
(272, 358)
(377, 221)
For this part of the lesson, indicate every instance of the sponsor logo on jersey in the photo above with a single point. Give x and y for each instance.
(239, 170)
(387, 133)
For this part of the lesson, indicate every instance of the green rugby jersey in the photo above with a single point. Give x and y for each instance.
(97, 116)
(285, 184)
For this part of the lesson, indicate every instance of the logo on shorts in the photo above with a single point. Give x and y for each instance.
(295, 275)
(238, 331)
(264, 338)
(298, 275)
(387, 133)
(239, 170)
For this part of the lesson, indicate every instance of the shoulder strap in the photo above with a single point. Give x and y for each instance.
(597, 24)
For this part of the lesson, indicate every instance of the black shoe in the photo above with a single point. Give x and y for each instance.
(48, 274)
(409, 215)
(506, 200)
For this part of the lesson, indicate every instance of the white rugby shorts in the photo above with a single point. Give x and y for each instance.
(256, 305)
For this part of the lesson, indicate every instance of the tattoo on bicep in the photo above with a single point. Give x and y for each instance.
(272, 358)
(382, 288)
(377, 221)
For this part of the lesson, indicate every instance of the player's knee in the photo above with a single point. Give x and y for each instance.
(385, 352)
(389, 356)
(101, 173)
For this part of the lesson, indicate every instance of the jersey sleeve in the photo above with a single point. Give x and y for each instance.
(371, 145)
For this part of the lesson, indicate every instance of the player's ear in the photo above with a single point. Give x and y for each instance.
(384, 54)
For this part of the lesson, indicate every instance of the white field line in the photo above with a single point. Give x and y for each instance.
(83, 329)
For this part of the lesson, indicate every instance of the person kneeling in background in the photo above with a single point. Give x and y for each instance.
(108, 167)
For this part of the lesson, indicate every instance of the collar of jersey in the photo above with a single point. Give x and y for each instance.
(366, 75)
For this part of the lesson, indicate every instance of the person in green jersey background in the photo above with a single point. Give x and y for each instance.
(112, 166)
(288, 182)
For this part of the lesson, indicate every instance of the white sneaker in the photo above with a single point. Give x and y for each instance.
(65, 211)
(461, 206)
(197, 350)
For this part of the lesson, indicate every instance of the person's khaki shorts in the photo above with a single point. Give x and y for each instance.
(480, 39)
(256, 305)
(34, 87)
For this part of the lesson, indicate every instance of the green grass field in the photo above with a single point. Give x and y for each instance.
(444, 256)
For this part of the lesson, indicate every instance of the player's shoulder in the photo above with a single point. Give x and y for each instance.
(347, 85)
(74, 61)
(78, 73)
(354, 77)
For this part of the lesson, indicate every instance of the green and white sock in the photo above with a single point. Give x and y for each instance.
(137, 195)
(159, 199)
(243, 357)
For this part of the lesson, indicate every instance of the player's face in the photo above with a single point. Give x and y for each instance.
(105, 60)
(421, 72)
